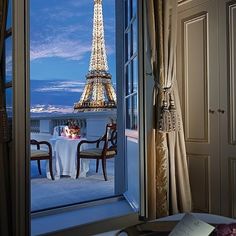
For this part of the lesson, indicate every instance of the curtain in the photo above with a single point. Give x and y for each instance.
(168, 178)
(5, 210)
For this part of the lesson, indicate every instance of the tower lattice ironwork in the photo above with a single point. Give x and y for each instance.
(98, 93)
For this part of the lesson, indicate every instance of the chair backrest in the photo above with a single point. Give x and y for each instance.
(110, 137)
(41, 145)
(58, 130)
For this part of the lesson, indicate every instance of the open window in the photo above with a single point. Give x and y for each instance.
(129, 167)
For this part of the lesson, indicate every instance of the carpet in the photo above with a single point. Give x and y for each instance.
(46, 193)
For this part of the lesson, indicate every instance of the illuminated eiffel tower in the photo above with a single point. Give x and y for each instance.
(98, 93)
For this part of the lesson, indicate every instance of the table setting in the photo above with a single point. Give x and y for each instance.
(64, 145)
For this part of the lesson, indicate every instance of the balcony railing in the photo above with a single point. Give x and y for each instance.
(91, 124)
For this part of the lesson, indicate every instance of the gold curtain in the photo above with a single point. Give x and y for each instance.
(168, 178)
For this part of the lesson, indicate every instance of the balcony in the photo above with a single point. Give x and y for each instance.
(45, 193)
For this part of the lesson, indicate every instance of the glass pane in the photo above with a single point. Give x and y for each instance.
(60, 47)
(127, 12)
(129, 83)
(9, 108)
(128, 113)
(135, 36)
(134, 7)
(127, 45)
(134, 113)
(9, 101)
(9, 14)
(131, 112)
(135, 74)
(8, 59)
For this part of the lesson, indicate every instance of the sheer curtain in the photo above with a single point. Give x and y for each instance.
(5, 210)
(168, 178)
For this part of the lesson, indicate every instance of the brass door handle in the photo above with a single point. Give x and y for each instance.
(221, 111)
(211, 111)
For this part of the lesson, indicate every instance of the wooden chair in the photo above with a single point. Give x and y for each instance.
(101, 152)
(42, 154)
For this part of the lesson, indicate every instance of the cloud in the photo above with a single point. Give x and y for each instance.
(63, 48)
(37, 109)
(62, 14)
(62, 86)
(65, 30)
(78, 3)
(9, 65)
(58, 11)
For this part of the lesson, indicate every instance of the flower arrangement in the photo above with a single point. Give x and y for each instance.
(72, 130)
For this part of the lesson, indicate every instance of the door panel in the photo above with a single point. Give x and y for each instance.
(232, 192)
(199, 166)
(227, 112)
(231, 58)
(197, 74)
(195, 38)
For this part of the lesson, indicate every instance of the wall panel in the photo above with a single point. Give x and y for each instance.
(199, 166)
(231, 10)
(195, 68)
(232, 186)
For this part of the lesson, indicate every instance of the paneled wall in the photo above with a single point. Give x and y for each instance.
(195, 70)
(227, 115)
(200, 181)
(206, 60)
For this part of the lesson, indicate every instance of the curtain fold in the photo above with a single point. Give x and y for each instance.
(169, 187)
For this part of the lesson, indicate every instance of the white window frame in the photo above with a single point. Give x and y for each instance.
(21, 122)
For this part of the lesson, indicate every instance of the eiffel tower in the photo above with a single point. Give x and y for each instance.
(98, 93)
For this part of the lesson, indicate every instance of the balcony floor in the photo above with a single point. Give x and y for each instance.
(46, 193)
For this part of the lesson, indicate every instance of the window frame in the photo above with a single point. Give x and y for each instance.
(21, 129)
(129, 57)
(20, 120)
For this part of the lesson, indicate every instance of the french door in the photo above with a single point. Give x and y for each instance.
(206, 64)
(18, 88)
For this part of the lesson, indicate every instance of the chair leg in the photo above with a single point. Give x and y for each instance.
(50, 169)
(97, 165)
(39, 167)
(104, 168)
(78, 167)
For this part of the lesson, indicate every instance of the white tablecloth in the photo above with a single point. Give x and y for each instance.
(65, 158)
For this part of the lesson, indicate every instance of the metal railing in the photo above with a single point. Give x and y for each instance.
(47, 124)
(35, 126)
(91, 123)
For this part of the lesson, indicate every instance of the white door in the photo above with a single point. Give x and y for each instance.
(198, 75)
(227, 108)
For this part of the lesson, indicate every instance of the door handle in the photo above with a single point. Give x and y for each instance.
(211, 111)
(221, 111)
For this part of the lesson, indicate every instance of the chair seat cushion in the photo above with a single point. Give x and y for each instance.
(39, 153)
(96, 152)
